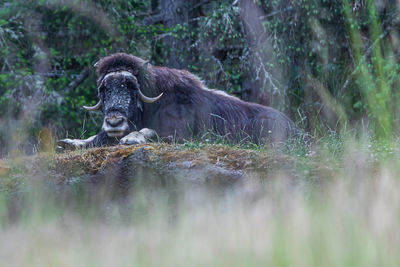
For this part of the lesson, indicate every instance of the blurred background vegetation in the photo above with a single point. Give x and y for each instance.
(329, 65)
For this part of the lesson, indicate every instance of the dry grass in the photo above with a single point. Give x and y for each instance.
(97, 159)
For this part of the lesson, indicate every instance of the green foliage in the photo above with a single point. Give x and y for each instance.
(328, 64)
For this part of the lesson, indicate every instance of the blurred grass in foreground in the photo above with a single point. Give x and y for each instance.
(345, 215)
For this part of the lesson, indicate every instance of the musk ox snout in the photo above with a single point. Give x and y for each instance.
(115, 125)
(114, 121)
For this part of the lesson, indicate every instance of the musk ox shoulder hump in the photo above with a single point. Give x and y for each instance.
(199, 83)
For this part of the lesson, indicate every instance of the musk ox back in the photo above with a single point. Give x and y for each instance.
(175, 103)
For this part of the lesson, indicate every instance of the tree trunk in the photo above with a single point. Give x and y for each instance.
(175, 12)
(175, 50)
(263, 84)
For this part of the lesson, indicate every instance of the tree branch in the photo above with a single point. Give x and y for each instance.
(79, 79)
(153, 19)
(199, 4)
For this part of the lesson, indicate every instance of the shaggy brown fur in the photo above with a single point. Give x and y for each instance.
(188, 108)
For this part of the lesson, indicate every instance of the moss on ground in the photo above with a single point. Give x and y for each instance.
(96, 159)
(208, 160)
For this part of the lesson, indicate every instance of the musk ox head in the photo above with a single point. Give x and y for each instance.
(120, 83)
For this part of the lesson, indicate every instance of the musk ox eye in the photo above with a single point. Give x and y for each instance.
(131, 84)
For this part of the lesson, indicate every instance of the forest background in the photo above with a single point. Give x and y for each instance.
(329, 65)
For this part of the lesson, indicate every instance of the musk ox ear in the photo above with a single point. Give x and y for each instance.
(145, 78)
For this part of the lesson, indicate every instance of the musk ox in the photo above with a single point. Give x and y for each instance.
(136, 97)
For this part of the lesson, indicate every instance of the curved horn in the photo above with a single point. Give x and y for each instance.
(147, 99)
(95, 107)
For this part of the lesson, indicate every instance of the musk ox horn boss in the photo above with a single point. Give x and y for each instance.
(136, 97)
